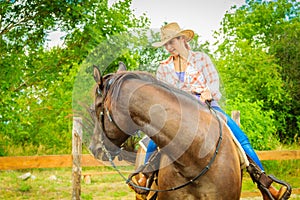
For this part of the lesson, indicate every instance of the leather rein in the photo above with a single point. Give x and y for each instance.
(128, 180)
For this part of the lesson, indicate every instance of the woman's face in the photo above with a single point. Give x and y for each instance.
(175, 46)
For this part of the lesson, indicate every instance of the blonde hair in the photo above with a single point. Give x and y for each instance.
(186, 44)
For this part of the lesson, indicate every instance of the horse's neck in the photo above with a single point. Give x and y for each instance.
(172, 121)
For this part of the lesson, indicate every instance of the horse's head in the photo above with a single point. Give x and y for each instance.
(108, 136)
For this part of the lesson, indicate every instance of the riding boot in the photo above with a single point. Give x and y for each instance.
(142, 181)
(144, 175)
(264, 184)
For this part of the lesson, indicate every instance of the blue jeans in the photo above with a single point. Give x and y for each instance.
(150, 149)
(236, 130)
(242, 138)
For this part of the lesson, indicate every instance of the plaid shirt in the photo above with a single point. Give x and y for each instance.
(199, 75)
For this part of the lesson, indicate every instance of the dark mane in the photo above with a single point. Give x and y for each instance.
(120, 77)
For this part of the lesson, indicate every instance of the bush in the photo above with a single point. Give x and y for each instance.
(259, 125)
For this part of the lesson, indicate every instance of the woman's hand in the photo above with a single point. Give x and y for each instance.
(205, 95)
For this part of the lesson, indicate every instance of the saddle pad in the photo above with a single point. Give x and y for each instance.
(144, 142)
(244, 162)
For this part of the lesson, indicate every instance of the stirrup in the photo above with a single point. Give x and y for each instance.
(264, 181)
(266, 191)
(288, 192)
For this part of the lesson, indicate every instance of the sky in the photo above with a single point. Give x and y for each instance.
(202, 16)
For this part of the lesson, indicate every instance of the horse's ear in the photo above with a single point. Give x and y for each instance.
(122, 67)
(97, 75)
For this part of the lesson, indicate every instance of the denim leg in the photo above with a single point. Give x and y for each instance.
(242, 138)
(150, 149)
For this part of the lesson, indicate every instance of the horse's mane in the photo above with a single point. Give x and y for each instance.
(120, 77)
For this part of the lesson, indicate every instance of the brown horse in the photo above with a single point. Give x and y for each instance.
(199, 157)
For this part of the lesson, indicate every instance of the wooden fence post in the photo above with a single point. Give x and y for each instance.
(76, 157)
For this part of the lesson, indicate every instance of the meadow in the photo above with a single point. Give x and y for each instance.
(56, 183)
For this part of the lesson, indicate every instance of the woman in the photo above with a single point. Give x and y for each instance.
(195, 73)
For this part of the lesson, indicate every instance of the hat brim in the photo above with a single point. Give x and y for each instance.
(189, 34)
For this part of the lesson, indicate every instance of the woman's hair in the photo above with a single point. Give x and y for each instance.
(186, 44)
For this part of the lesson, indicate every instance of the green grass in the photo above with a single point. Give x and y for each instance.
(108, 186)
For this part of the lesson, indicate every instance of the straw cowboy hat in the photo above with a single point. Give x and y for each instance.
(170, 31)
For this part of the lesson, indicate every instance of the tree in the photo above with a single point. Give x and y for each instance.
(37, 83)
(287, 49)
(251, 67)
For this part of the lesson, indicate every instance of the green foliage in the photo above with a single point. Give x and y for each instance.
(37, 83)
(287, 49)
(149, 56)
(259, 125)
(252, 75)
(256, 61)
(254, 71)
(41, 88)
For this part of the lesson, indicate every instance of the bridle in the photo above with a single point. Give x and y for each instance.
(104, 110)
(128, 180)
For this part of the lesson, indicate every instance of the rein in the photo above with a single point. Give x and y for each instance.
(128, 180)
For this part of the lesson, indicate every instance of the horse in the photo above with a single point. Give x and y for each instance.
(199, 159)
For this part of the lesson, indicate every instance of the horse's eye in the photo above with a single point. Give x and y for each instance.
(98, 105)
(99, 91)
